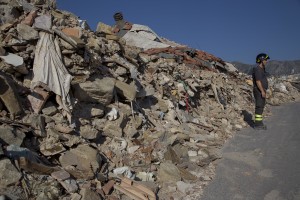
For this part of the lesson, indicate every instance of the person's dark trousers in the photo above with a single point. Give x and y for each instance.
(260, 103)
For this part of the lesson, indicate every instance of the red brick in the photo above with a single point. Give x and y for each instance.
(37, 99)
(29, 19)
(75, 32)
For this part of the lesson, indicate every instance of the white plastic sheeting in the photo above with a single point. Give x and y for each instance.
(144, 31)
(49, 69)
(143, 37)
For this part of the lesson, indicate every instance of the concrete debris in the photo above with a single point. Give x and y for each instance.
(88, 193)
(9, 96)
(116, 113)
(61, 175)
(9, 174)
(97, 91)
(82, 162)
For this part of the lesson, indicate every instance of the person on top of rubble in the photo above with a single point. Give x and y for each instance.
(260, 86)
(122, 26)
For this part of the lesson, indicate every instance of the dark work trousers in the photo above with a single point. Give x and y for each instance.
(260, 103)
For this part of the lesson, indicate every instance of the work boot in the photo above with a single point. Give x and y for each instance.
(260, 126)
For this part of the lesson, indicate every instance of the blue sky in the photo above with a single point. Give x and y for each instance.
(233, 30)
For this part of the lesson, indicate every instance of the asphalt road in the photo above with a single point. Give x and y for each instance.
(261, 165)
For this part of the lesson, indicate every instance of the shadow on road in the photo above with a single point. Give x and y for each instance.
(248, 118)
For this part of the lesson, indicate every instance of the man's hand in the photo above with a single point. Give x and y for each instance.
(263, 94)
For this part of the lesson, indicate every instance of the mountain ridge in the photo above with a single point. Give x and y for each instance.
(274, 67)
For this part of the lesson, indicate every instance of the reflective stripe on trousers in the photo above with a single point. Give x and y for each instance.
(258, 117)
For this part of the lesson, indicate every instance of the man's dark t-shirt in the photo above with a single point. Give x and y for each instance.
(259, 74)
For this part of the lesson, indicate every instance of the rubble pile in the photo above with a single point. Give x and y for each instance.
(116, 113)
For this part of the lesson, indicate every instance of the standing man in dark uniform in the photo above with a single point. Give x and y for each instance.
(260, 86)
